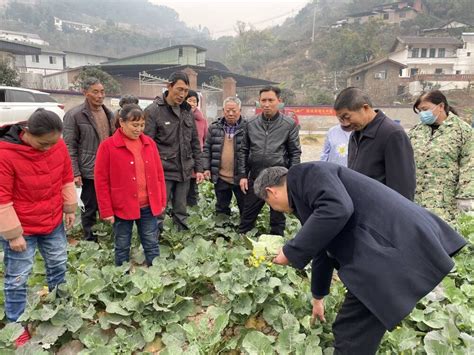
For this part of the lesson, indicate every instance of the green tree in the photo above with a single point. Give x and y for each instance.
(111, 85)
(8, 76)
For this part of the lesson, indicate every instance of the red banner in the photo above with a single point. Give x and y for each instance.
(307, 110)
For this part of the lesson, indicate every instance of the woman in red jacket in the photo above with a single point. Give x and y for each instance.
(36, 190)
(130, 185)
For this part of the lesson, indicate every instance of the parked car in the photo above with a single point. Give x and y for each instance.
(17, 104)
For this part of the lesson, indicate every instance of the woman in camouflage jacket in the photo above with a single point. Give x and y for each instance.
(443, 148)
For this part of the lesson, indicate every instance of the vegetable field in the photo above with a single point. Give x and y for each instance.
(209, 293)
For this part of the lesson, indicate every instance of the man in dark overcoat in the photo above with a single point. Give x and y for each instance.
(378, 147)
(389, 252)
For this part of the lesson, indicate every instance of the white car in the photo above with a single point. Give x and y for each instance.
(17, 104)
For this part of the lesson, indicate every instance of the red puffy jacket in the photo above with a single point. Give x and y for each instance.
(115, 178)
(33, 180)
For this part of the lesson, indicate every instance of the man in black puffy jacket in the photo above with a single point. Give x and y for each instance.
(223, 141)
(270, 139)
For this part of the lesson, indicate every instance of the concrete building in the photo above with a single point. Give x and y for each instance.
(392, 13)
(426, 55)
(185, 54)
(62, 25)
(79, 59)
(379, 79)
(22, 37)
(47, 62)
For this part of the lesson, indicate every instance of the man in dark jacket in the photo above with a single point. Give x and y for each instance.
(85, 126)
(270, 139)
(170, 122)
(389, 252)
(378, 147)
(220, 155)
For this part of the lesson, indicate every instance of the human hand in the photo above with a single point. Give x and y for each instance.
(281, 259)
(318, 310)
(69, 218)
(78, 181)
(18, 244)
(244, 185)
(110, 219)
(199, 178)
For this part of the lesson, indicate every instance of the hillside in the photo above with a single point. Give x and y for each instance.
(312, 66)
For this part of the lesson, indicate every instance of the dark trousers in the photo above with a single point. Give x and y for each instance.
(252, 207)
(193, 193)
(177, 192)
(89, 215)
(147, 226)
(224, 192)
(356, 330)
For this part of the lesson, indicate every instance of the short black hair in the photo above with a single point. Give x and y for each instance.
(192, 93)
(178, 75)
(268, 88)
(128, 99)
(352, 99)
(42, 122)
(88, 82)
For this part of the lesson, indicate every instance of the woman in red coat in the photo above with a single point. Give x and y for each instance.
(36, 191)
(130, 185)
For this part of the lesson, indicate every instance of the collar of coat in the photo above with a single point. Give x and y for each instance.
(271, 119)
(161, 101)
(371, 129)
(87, 110)
(119, 139)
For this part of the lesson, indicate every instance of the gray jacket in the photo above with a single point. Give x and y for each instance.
(267, 143)
(82, 138)
(176, 138)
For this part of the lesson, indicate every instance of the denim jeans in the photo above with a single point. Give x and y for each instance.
(148, 231)
(18, 265)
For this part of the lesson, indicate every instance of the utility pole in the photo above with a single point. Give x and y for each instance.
(314, 21)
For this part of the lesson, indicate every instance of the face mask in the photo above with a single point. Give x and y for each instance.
(427, 117)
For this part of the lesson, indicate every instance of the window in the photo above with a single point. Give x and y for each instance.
(385, 16)
(382, 75)
(413, 71)
(35, 58)
(441, 52)
(432, 52)
(20, 96)
(180, 52)
(468, 54)
(415, 52)
(52, 60)
(424, 52)
(439, 71)
(458, 72)
(357, 78)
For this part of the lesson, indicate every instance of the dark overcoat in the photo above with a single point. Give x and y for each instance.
(389, 251)
(382, 151)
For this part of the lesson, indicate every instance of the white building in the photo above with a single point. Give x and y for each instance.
(48, 62)
(426, 55)
(24, 37)
(435, 62)
(465, 63)
(61, 25)
(78, 59)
